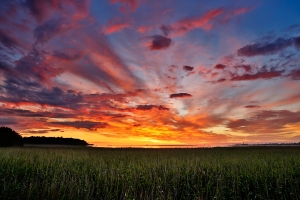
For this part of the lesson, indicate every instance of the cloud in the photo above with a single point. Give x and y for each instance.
(241, 11)
(17, 92)
(205, 21)
(43, 131)
(252, 106)
(42, 9)
(188, 68)
(115, 28)
(294, 74)
(245, 68)
(50, 29)
(66, 56)
(267, 48)
(180, 95)
(242, 72)
(220, 66)
(38, 8)
(297, 42)
(4, 121)
(166, 30)
(159, 42)
(31, 70)
(7, 40)
(28, 80)
(11, 112)
(115, 25)
(188, 24)
(90, 125)
(263, 73)
(4, 67)
(127, 5)
(265, 121)
(172, 68)
(150, 107)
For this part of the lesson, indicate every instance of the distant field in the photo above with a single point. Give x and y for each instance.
(95, 173)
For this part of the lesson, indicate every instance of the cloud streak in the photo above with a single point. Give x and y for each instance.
(268, 48)
(90, 125)
(180, 95)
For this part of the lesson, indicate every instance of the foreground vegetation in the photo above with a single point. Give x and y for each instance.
(94, 173)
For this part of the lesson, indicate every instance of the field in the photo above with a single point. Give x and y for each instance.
(95, 173)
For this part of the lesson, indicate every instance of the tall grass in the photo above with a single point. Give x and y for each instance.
(93, 173)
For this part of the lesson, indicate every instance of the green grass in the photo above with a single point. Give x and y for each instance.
(94, 173)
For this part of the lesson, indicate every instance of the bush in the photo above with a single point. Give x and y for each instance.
(9, 137)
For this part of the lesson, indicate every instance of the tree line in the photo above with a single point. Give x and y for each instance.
(9, 137)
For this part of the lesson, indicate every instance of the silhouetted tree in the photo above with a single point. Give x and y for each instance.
(9, 137)
(54, 141)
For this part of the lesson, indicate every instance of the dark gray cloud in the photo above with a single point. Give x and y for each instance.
(252, 106)
(65, 56)
(11, 112)
(28, 79)
(267, 48)
(4, 121)
(180, 95)
(245, 73)
(297, 42)
(246, 68)
(34, 67)
(7, 40)
(220, 66)
(165, 29)
(50, 29)
(173, 68)
(38, 8)
(42, 9)
(294, 74)
(188, 68)
(159, 42)
(150, 107)
(4, 67)
(82, 124)
(17, 91)
(43, 131)
(263, 73)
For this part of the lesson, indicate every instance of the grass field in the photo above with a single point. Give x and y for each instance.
(95, 173)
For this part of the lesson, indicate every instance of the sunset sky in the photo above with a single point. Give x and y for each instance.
(151, 72)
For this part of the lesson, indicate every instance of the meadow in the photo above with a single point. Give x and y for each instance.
(104, 173)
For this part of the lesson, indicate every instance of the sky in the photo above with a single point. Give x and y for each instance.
(151, 72)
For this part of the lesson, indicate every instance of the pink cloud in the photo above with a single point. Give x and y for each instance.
(115, 25)
(115, 28)
(126, 5)
(205, 22)
(43, 9)
(241, 11)
(144, 29)
(188, 24)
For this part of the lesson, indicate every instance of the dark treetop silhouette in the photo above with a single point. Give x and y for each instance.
(54, 141)
(9, 137)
